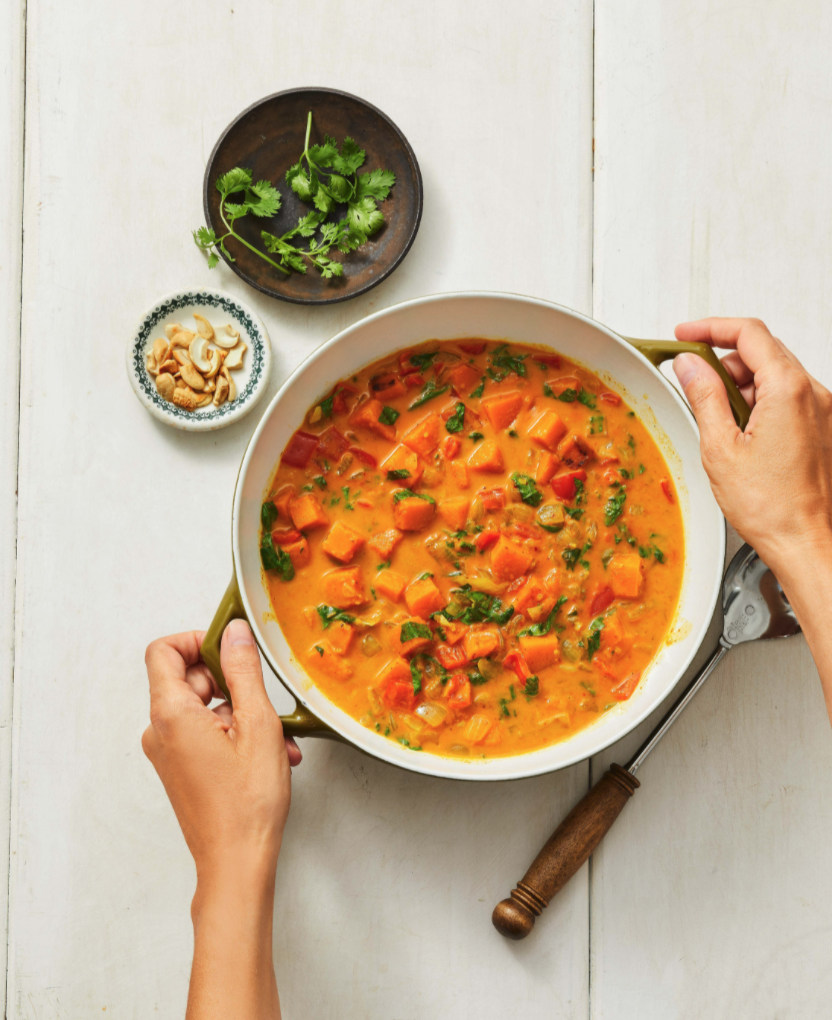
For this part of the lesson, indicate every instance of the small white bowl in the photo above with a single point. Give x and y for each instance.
(218, 309)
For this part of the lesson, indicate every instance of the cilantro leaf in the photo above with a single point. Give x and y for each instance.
(423, 361)
(329, 614)
(411, 631)
(397, 473)
(410, 494)
(376, 184)
(204, 238)
(532, 686)
(569, 396)
(388, 415)
(457, 420)
(276, 559)
(614, 506)
(529, 492)
(415, 675)
(587, 399)
(571, 557)
(268, 515)
(542, 629)
(429, 391)
(478, 391)
(364, 216)
(323, 155)
(349, 159)
(262, 199)
(510, 362)
(235, 180)
(593, 642)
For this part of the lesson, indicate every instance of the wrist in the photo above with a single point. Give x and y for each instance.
(800, 563)
(236, 884)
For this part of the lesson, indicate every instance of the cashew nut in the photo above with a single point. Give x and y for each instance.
(234, 359)
(165, 385)
(192, 377)
(204, 327)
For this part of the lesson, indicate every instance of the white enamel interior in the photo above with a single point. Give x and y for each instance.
(522, 320)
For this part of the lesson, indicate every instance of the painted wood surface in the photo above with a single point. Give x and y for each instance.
(386, 881)
(710, 897)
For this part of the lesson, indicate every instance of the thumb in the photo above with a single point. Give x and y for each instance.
(708, 398)
(240, 663)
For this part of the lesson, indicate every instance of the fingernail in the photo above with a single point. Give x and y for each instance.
(685, 366)
(238, 632)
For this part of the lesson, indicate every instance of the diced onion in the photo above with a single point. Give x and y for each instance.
(432, 713)
(477, 728)
(487, 585)
(520, 512)
(374, 699)
(369, 646)
(488, 668)
(477, 509)
(413, 723)
(570, 651)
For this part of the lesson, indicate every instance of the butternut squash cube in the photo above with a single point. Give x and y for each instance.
(624, 575)
(548, 431)
(340, 635)
(464, 378)
(413, 513)
(385, 542)
(344, 588)
(509, 560)
(342, 542)
(307, 512)
(404, 459)
(459, 474)
(480, 643)
(330, 662)
(395, 669)
(390, 585)
(487, 457)
(298, 553)
(410, 645)
(423, 597)
(540, 652)
(503, 408)
(454, 512)
(366, 416)
(424, 437)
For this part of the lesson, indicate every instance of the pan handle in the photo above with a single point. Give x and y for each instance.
(657, 351)
(572, 842)
(301, 723)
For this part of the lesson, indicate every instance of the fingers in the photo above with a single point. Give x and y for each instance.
(200, 679)
(750, 337)
(240, 662)
(167, 660)
(708, 398)
(292, 749)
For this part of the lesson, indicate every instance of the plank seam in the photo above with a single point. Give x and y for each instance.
(25, 40)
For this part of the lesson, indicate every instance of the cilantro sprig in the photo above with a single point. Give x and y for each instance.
(324, 176)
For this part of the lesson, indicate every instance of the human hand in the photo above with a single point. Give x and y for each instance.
(774, 481)
(225, 772)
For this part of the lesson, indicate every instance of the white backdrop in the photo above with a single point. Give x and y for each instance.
(639, 161)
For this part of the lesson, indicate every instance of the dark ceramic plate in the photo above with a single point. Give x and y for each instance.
(267, 138)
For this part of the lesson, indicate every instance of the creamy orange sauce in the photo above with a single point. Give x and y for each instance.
(474, 549)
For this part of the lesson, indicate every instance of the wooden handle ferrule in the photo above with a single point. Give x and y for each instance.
(572, 842)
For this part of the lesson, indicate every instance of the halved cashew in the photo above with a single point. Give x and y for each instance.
(210, 386)
(184, 397)
(204, 327)
(160, 349)
(221, 392)
(199, 353)
(316, 415)
(172, 329)
(206, 400)
(152, 367)
(216, 358)
(229, 341)
(192, 377)
(182, 338)
(232, 389)
(234, 359)
(182, 357)
(165, 385)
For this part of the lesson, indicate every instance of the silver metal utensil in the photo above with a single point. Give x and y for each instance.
(755, 608)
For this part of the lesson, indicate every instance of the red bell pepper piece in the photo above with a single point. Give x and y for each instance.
(472, 348)
(667, 490)
(486, 539)
(451, 447)
(517, 662)
(552, 360)
(493, 499)
(451, 656)
(363, 456)
(299, 449)
(564, 485)
(458, 691)
(611, 398)
(332, 443)
(405, 366)
(286, 537)
(399, 694)
(339, 398)
(623, 690)
(601, 600)
(414, 380)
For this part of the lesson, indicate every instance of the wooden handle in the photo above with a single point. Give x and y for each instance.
(572, 842)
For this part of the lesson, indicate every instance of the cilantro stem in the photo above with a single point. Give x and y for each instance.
(237, 237)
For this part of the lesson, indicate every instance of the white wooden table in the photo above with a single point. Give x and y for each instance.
(709, 193)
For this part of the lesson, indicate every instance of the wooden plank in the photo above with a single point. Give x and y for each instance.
(12, 33)
(386, 881)
(710, 198)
